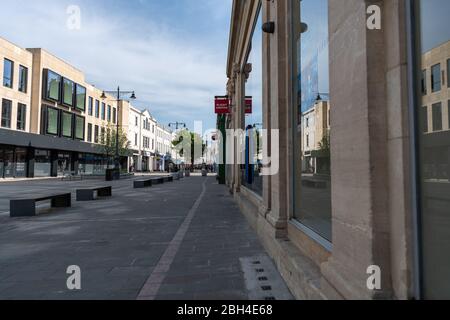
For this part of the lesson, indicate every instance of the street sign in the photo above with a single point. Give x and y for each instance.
(222, 105)
(248, 105)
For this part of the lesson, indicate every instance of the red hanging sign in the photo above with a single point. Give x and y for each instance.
(248, 105)
(222, 105)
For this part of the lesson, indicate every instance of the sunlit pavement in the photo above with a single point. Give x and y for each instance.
(180, 240)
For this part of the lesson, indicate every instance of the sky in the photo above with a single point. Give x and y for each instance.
(172, 53)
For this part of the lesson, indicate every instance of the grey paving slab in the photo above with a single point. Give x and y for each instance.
(117, 242)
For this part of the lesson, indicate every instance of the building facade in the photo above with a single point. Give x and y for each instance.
(377, 205)
(52, 121)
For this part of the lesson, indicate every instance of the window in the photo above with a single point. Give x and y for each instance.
(448, 73)
(21, 117)
(135, 139)
(6, 113)
(103, 136)
(52, 122)
(96, 134)
(436, 78)
(433, 153)
(53, 84)
(23, 79)
(109, 114)
(424, 119)
(424, 82)
(312, 160)
(114, 115)
(97, 109)
(79, 127)
(437, 117)
(89, 139)
(66, 122)
(136, 121)
(80, 97)
(90, 106)
(8, 73)
(68, 92)
(103, 111)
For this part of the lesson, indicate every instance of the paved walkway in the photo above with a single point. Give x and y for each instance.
(180, 240)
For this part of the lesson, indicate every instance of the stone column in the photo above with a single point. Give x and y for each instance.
(279, 109)
(360, 219)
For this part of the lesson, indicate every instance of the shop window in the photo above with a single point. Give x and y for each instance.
(80, 97)
(79, 127)
(53, 85)
(251, 170)
(6, 113)
(23, 79)
(434, 151)
(8, 73)
(42, 163)
(21, 163)
(312, 149)
(21, 116)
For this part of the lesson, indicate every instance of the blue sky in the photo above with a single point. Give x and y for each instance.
(172, 52)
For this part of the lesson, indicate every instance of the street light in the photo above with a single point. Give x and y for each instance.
(119, 95)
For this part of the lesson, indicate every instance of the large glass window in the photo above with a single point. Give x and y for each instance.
(52, 122)
(79, 127)
(21, 116)
(96, 134)
(109, 114)
(6, 113)
(66, 121)
(68, 92)
(23, 79)
(312, 156)
(81, 97)
(53, 85)
(434, 151)
(114, 115)
(251, 170)
(21, 163)
(8, 73)
(42, 163)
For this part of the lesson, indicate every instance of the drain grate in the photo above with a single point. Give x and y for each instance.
(256, 262)
(270, 298)
(262, 279)
(259, 270)
(266, 288)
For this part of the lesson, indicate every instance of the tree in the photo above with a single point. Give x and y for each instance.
(189, 145)
(107, 144)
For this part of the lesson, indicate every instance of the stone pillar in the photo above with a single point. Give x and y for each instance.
(279, 110)
(360, 220)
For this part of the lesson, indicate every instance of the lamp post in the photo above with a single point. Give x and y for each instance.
(119, 95)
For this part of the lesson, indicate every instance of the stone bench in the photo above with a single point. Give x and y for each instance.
(88, 194)
(27, 207)
(144, 183)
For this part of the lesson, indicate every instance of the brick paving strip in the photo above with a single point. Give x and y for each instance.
(151, 287)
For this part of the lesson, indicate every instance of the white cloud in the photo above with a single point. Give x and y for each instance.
(175, 74)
